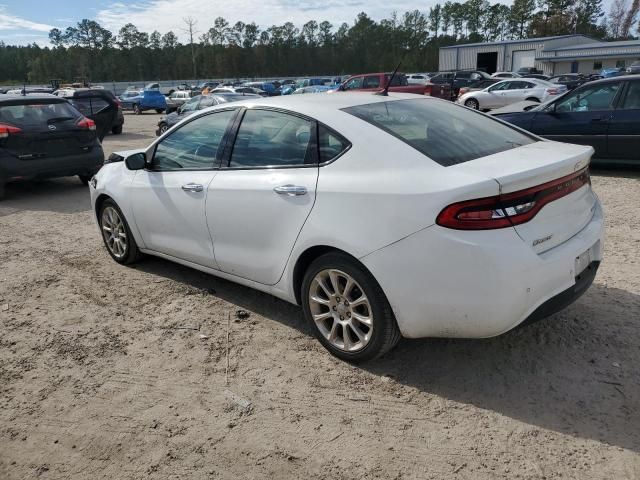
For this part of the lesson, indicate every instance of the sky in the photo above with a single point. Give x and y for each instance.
(28, 21)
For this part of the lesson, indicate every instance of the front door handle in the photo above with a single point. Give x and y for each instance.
(192, 187)
(603, 119)
(291, 190)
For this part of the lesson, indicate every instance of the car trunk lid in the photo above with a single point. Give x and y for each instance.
(552, 174)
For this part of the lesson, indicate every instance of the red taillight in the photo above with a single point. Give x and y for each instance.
(463, 90)
(6, 130)
(510, 209)
(553, 91)
(87, 123)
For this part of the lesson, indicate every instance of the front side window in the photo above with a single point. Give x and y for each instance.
(632, 99)
(448, 134)
(500, 86)
(354, 84)
(272, 139)
(597, 65)
(194, 146)
(590, 99)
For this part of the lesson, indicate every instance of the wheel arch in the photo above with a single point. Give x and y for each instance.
(304, 260)
(99, 201)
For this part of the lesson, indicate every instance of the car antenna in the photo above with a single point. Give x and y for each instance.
(385, 91)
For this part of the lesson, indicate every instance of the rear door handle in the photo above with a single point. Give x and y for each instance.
(192, 187)
(600, 119)
(291, 190)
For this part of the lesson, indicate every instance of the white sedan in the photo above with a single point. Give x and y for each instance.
(382, 216)
(510, 91)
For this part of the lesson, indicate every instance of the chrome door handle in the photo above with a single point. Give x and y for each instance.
(291, 190)
(192, 187)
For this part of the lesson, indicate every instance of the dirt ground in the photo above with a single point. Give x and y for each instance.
(121, 372)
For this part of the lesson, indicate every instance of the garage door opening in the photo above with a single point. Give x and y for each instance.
(523, 58)
(488, 62)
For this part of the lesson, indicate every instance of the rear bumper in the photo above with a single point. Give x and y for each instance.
(13, 169)
(566, 298)
(449, 283)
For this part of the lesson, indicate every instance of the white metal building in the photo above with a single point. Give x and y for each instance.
(552, 55)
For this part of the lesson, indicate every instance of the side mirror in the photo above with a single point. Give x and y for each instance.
(137, 161)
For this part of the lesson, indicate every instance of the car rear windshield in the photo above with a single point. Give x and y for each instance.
(447, 133)
(36, 113)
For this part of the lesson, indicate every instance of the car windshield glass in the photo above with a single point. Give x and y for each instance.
(37, 113)
(448, 134)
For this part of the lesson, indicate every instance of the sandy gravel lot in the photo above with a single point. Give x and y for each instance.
(121, 372)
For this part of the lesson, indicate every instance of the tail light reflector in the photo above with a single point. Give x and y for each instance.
(6, 130)
(87, 123)
(511, 209)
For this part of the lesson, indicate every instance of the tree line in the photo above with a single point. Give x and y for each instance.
(87, 51)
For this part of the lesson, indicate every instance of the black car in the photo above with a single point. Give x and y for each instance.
(459, 79)
(198, 103)
(44, 136)
(604, 114)
(571, 80)
(526, 71)
(99, 105)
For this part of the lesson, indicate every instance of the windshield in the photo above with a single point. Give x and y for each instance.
(447, 133)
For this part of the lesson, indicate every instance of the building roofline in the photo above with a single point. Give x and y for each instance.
(590, 46)
(586, 57)
(525, 40)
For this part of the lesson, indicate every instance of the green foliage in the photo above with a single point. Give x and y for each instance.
(89, 51)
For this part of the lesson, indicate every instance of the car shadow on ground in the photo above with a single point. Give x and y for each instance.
(61, 195)
(566, 373)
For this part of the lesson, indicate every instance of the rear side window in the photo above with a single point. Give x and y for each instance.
(330, 144)
(444, 132)
(37, 113)
(272, 139)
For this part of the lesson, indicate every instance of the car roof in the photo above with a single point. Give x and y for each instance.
(12, 97)
(324, 106)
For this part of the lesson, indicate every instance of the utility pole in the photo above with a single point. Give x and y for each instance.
(191, 23)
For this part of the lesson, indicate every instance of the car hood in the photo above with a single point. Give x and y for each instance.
(519, 119)
(517, 107)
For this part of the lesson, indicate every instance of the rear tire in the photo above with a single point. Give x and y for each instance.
(136, 109)
(116, 234)
(472, 103)
(117, 130)
(159, 110)
(347, 309)
(163, 128)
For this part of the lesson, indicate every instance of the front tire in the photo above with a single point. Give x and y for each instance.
(159, 110)
(347, 309)
(116, 234)
(472, 103)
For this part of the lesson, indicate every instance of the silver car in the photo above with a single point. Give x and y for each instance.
(510, 91)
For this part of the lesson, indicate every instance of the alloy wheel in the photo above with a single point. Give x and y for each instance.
(114, 232)
(341, 310)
